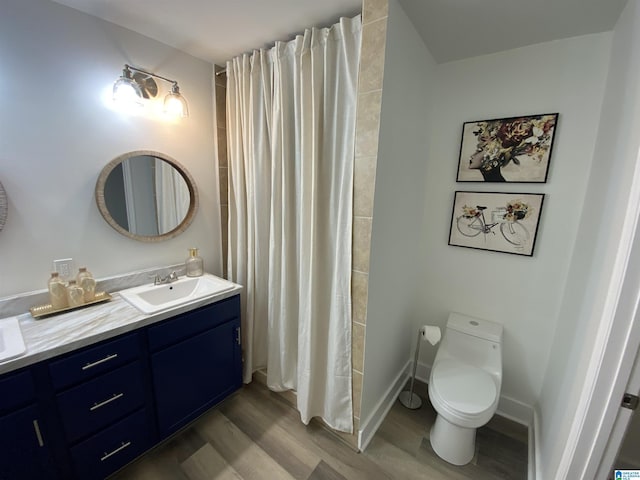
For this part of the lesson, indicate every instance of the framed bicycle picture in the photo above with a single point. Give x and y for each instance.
(515, 149)
(500, 222)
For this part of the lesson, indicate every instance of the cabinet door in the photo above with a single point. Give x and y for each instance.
(17, 390)
(23, 453)
(195, 374)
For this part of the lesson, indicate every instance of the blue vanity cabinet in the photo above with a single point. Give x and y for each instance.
(195, 362)
(103, 405)
(85, 414)
(24, 448)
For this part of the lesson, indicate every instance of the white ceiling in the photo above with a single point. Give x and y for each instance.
(217, 30)
(456, 29)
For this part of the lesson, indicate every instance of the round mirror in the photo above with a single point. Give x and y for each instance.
(4, 206)
(146, 196)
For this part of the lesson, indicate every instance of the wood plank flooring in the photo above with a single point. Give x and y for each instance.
(255, 434)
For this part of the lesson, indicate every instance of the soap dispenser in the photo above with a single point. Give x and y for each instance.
(194, 265)
(88, 284)
(57, 292)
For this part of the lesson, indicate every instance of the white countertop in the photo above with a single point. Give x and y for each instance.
(58, 334)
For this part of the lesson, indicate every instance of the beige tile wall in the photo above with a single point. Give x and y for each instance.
(223, 169)
(374, 34)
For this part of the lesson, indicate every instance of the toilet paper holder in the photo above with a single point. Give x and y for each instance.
(433, 335)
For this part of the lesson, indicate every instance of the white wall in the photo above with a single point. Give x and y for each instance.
(600, 227)
(398, 205)
(56, 134)
(522, 293)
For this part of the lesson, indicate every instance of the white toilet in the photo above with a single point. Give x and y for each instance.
(464, 386)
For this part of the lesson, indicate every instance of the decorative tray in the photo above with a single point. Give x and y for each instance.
(45, 310)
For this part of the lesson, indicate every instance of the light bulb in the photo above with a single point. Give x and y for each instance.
(175, 104)
(126, 92)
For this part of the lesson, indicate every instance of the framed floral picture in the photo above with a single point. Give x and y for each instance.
(500, 222)
(515, 149)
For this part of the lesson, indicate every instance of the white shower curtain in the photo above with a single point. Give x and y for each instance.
(172, 196)
(291, 132)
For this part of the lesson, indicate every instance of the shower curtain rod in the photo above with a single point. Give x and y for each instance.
(224, 70)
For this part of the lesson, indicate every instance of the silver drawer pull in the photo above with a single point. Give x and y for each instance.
(106, 402)
(36, 427)
(119, 449)
(105, 359)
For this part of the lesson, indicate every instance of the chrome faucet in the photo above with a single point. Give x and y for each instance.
(159, 280)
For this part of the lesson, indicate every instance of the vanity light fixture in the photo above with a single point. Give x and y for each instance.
(132, 88)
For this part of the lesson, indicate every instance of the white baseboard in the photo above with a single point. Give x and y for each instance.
(515, 410)
(423, 372)
(370, 426)
(534, 447)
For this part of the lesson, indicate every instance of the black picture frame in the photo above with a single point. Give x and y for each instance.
(513, 149)
(496, 221)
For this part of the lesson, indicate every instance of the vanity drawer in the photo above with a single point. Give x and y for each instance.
(93, 361)
(190, 324)
(99, 402)
(17, 390)
(114, 447)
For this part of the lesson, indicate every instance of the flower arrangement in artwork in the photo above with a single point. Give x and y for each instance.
(502, 141)
(470, 212)
(517, 210)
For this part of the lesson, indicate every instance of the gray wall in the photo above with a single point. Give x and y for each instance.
(522, 293)
(608, 189)
(407, 98)
(415, 277)
(58, 132)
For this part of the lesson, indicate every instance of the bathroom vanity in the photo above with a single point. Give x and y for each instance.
(85, 407)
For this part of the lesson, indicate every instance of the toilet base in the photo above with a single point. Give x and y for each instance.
(452, 443)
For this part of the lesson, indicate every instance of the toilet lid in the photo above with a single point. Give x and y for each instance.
(466, 388)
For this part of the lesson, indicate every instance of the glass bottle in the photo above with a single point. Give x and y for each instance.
(194, 264)
(87, 282)
(57, 292)
(75, 294)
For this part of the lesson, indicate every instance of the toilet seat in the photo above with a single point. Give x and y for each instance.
(466, 390)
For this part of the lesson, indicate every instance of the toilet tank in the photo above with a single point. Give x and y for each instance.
(476, 327)
(474, 341)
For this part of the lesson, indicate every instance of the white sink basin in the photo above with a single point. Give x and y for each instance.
(11, 341)
(155, 298)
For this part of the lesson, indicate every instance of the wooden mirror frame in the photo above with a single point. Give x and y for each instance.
(4, 206)
(191, 185)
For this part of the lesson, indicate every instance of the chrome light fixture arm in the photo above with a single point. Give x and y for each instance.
(154, 75)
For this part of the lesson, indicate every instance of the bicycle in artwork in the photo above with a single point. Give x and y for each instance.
(496, 221)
